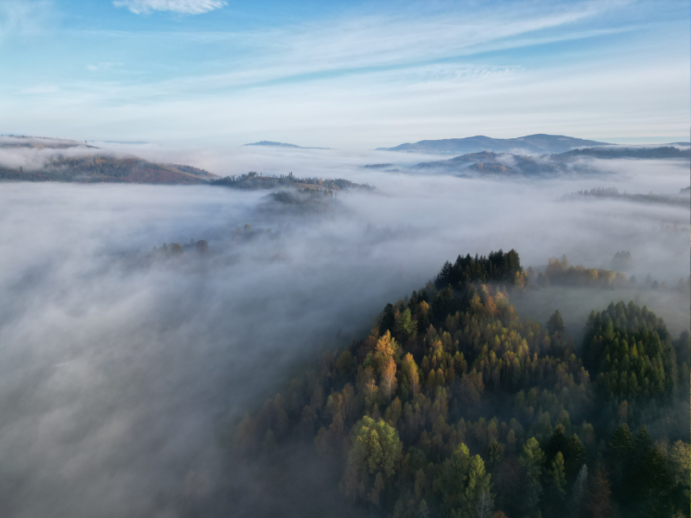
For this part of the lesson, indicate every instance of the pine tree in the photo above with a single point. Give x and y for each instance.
(478, 498)
(495, 453)
(532, 459)
(558, 477)
(555, 324)
(454, 477)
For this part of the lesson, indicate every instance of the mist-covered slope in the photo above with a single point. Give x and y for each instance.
(641, 152)
(575, 161)
(530, 144)
(109, 169)
(41, 159)
(489, 163)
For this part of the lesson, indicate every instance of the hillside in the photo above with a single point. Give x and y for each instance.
(454, 406)
(21, 141)
(104, 168)
(64, 160)
(530, 144)
(492, 163)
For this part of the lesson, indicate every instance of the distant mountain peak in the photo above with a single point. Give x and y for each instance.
(270, 143)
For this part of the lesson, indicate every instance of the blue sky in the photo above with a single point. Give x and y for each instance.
(343, 74)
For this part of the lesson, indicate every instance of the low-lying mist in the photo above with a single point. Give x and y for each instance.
(120, 370)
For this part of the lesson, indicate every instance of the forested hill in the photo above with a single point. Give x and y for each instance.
(252, 180)
(455, 407)
(63, 160)
(107, 168)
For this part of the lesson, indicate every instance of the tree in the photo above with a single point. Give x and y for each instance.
(495, 453)
(484, 506)
(578, 492)
(599, 499)
(388, 320)
(410, 374)
(555, 324)
(375, 450)
(574, 457)
(384, 350)
(479, 501)
(406, 327)
(629, 350)
(388, 378)
(649, 479)
(454, 477)
(619, 451)
(558, 477)
(680, 461)
(570, 447)
(532, 459)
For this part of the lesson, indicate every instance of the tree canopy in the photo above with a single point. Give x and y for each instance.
(453, 406)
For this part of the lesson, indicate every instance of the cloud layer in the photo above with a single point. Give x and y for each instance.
(120, 375)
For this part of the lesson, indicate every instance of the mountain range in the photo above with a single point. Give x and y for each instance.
(530, 144)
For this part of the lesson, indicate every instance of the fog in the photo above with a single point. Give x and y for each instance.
(120, 375)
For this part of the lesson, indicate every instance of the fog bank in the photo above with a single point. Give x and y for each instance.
(119, 372)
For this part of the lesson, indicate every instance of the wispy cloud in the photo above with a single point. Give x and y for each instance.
(299, 52)
(375, 79)
(21, 18)
(177, 6)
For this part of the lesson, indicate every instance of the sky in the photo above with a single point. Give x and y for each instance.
(347, 75)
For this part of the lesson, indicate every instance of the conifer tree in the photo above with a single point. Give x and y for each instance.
(532, 459)
(555, 324)
(558, 477)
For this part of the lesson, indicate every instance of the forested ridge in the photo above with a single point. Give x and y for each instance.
(454, 406)
(110, 169)
(252, 180)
